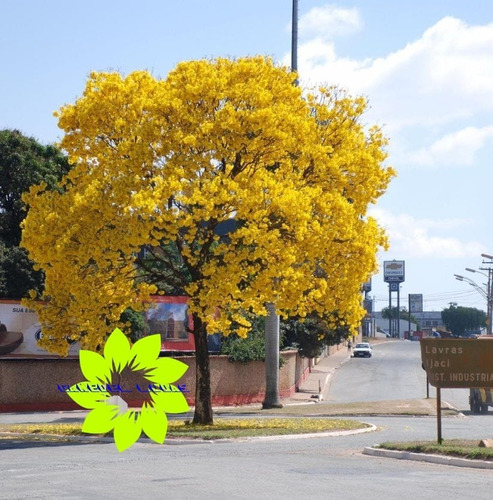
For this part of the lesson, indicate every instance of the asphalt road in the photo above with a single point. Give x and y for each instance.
(393, 372)
(317, 468)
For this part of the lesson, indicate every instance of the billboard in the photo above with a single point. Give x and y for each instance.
(415, 302)
(393, 271)
(22, 332)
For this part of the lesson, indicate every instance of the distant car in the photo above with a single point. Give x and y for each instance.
(362, 350)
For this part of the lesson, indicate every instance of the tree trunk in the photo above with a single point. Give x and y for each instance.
(203, 403)
(272, 399)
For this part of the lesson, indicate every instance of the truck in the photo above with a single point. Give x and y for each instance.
(480, 399)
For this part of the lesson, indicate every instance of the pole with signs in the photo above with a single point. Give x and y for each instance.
(398, 312)
(390, 311)
(368, 306)
(393, 274)
(439, 416)
(415, 306)
(457, 364)
(409, 318)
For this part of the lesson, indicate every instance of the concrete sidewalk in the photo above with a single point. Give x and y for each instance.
(317, 382)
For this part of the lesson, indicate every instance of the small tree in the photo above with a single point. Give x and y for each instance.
(311, 335)
(136, 322)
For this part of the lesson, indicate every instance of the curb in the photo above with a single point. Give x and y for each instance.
(316, 398)
(370, 428)
(434, 459)
(329, 376)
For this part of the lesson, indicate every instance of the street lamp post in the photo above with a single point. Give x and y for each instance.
(472, 283)
(272, 398)
(489, 286)
(294, 37)
(488, 293)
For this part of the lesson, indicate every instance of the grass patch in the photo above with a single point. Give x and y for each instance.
(251, 427)
(453, 448)
(44, 429)
(222, 429)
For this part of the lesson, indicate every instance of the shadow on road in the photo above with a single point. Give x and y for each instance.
(18, 444)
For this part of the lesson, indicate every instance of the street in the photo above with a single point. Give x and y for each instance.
(286, 468)
(319, 468)
(393, 372)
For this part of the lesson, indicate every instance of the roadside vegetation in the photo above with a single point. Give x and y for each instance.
(454, 448)
(222, 428)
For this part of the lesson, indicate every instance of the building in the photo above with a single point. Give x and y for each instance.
(430, 321)
(427, 322)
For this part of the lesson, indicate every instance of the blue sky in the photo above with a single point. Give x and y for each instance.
(425, 66)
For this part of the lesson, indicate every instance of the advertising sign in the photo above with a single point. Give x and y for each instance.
(393, 271)
(454, 363)
(415, 303)
(22, 332)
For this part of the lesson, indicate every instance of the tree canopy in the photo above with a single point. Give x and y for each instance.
(395, 312)
(23, 162)
(311, 334)
(244, 190)
(460, 320)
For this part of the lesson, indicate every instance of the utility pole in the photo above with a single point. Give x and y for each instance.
(294, 38)
(272, 398)
(489, 290)
(488, 293)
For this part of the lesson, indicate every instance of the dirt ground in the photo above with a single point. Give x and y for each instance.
(419, 407)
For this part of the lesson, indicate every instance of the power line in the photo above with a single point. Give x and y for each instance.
(468, 298)
(435, 297)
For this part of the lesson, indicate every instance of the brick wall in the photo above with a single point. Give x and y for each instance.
(31, 384)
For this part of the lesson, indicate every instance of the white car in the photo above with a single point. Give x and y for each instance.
(362, 350)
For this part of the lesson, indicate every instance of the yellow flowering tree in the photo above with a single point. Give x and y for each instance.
(243, 190)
